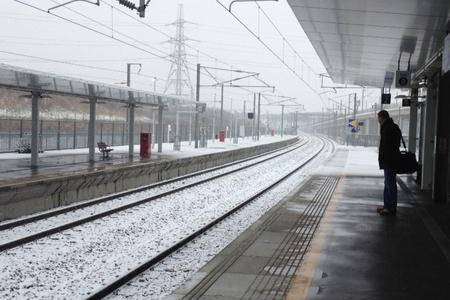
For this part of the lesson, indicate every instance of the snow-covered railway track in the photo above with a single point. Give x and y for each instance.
(75, 263)
(19, 232)
(152, 262)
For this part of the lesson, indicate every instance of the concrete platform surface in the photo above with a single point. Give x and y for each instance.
(261, 263)
(354, 253)
(361, 255)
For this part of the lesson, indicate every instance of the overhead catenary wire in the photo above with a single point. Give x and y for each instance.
(271, 50)
(162, 32)
(268, 48)
(100, 33)
(282, 35)
(93, 30)
(163, 57)
(111, 28)
(76, 64)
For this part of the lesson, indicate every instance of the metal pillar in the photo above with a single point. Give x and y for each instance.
(235, 134)
(34, 128)
(428, 135)
(160, 124)
(213, 131)
(131, 107)
(259, 119)
(197, 99)
(296, 122)
(253, 120)
(441, 176)
(177, 142)
(58, 136)
(91, 128)
(354, 118)
(190, 128)
(413, 121)
(282, 120)
(153, 128)
(221, 108)
(243, 120)
(128, 74)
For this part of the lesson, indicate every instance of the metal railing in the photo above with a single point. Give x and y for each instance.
(64, 134)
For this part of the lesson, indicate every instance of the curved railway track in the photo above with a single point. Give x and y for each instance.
(124, 279)
(69, 225)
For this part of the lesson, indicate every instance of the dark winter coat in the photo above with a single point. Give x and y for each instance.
(389, 152)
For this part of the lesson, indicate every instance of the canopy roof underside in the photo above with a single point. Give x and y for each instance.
(358, 41)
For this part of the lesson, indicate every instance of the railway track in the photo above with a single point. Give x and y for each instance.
(248, 163)
(152, 262)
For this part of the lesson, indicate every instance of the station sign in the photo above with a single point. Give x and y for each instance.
(406, 102)
(355, 125)
(386, 99)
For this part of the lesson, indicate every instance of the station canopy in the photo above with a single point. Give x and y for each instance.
(359, 41)
(30, 80)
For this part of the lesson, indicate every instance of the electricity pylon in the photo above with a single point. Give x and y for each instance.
(178, 79)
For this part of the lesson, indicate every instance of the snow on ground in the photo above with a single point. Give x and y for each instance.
(167, 276)
(75, 262)
(35, 227)
(187, 149)
(351, 160)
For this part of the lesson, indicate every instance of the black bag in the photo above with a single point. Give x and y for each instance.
(407, 163)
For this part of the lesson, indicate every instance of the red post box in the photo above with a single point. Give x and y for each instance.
(146, 140)
(222, 136)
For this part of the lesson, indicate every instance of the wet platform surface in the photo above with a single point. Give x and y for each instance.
(360, 255)
(354, 254)
(261, 263)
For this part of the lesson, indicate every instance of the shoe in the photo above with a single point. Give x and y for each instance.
(379, 209)
(387, 212)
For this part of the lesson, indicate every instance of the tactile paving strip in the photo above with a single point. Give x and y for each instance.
(272, 282)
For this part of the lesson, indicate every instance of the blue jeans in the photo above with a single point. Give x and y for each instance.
(390, 190)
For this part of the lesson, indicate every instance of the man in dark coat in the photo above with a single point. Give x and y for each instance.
(388, 156)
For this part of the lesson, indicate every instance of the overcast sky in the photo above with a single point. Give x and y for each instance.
(212, 29)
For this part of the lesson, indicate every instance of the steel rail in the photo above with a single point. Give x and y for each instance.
(117, 283)
(66, 226)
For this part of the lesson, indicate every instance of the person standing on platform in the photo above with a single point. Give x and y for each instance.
(388, 156)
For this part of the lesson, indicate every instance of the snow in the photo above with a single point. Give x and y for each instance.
(73, 263)
(186, 149)
(356, 161)
(45, 224)
(167, 276)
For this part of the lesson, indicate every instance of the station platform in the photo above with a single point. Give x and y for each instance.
(65, 177)
(326, 241)
(15, 167)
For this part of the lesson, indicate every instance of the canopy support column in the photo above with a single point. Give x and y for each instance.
(34, 128)
(92, 118)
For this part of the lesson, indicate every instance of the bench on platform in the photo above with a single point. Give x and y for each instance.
(104, 149)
